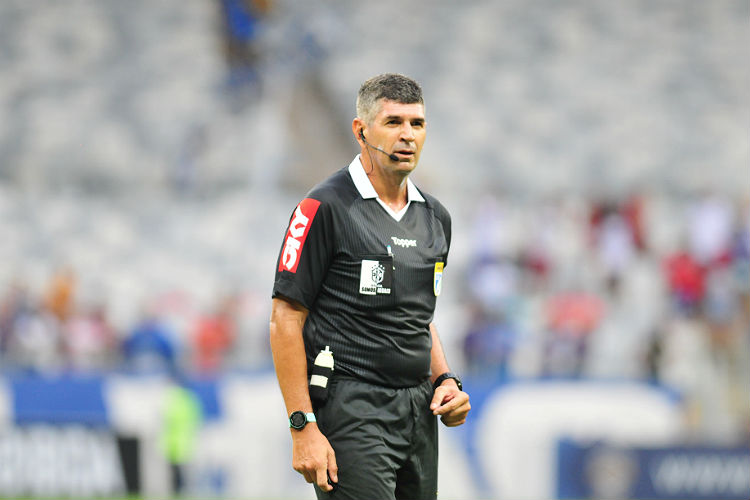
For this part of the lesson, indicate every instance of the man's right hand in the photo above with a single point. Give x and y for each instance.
(312, 454)
(313, 457)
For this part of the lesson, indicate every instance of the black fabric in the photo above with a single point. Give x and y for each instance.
(385, 440)
(378, 334)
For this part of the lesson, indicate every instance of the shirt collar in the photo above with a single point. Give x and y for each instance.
(364, 186)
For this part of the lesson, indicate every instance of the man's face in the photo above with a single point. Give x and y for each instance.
(399, 129)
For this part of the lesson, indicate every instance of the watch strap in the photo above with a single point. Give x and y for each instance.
(445, 376)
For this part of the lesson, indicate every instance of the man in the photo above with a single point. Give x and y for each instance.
(183, 416)
(358, 274)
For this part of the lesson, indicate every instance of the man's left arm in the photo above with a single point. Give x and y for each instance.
(448, 401)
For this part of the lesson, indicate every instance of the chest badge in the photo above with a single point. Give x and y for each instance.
(437, 279)
(376, 277)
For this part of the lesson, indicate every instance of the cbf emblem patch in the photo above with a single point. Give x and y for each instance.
(437, 280)
(375, 277)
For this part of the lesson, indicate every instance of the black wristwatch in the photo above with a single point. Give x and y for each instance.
(442, 378)
(299, 419)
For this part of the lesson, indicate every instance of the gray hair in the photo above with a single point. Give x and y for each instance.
(390, 86)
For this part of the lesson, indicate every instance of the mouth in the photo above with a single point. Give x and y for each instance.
(404, 154)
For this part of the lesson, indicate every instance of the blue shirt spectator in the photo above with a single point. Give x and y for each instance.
(150, 346)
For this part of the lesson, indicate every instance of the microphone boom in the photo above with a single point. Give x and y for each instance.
(391, 156)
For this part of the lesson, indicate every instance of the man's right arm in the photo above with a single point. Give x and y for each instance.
(312, 454)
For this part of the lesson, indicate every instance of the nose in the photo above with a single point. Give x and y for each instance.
(407, 132)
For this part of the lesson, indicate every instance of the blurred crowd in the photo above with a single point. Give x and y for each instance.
(641, 287)
(633, 289)
(54, 333)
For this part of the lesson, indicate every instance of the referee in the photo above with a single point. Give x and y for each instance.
(358, 274)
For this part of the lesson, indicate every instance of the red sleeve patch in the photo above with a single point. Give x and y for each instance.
(297, 233)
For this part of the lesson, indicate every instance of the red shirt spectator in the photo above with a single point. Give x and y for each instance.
(686, 278)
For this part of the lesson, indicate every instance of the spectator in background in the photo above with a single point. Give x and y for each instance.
(242, 20)
(709, 228)
(494, 282)
(489, 344)
(14, 305)
(686, 280)
(213, 337)
(150, 346)
(536, 268)
(616, 235)
(572, 316)
(34, 342)
(632, 212)
(615, 247)
(182, 421)
(60, 293)
(89, 341)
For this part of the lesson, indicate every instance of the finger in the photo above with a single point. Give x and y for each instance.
(302, 471)
(437, 399)
(451, 423)
(322, 479)
(333, 468)
(456, 416)
(447, 406)
(441, 397)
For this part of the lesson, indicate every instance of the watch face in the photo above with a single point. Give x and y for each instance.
(297, 420)
(460, 385)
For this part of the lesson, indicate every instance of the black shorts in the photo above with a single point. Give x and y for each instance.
(385, 440)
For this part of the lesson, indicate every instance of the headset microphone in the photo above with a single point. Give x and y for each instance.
(392, 156)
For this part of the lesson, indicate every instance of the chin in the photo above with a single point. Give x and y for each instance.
(406, 166)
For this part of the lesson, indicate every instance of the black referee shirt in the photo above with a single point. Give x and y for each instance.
(369, 281)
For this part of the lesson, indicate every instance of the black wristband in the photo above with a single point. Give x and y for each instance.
(442, 378)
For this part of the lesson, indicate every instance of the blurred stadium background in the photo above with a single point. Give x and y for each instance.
(594, 156)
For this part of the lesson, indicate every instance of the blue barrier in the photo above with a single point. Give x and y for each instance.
(670, 473)
(80, 399)
(60, 400)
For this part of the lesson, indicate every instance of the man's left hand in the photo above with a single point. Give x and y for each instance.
(450, 403)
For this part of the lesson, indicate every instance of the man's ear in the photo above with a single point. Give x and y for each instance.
(358, 129)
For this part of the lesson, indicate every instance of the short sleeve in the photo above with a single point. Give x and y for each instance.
(447, 230)
(305, 253)
(445, 220)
